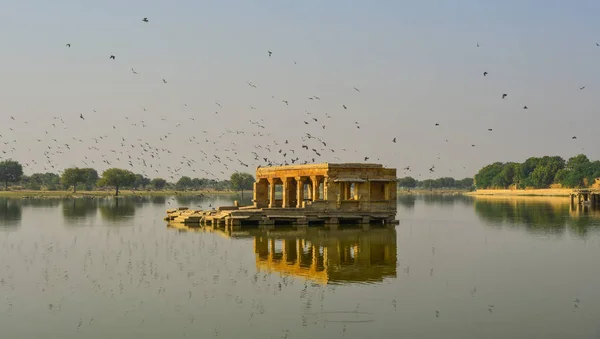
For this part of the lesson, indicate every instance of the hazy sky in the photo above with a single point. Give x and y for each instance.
(415, 63)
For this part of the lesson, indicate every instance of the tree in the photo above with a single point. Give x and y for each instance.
(198, 183)
(10, 171)
(140, 181)
(36, 181)
(117, 178)
(72, 177)
(407, 182)
(89, 177)
(158, 183)
(466, 183)
(183, 183)
(485, 177)
(241, 181)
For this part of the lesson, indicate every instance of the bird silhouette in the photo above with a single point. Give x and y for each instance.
(437, 124)
(164, 81)
(145, 20)
(344, 106)
(81, 116)
(485, 73)
(394, 140)
(68, 45)
(525, 107)
(504, 95)
(574, 137)
(489, 129)
(112, 57)
(270, 53)
(581, 88)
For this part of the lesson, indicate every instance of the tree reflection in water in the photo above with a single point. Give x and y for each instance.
(408, 200)
(117, 209)
(78, 210)
(10, 213)
(540, 216)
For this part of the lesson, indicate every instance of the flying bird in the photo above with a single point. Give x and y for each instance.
(164, 81)
(477, 44)
(344, 106)
(81, 116)
(504, 95)
(489, 129)
(525, 107)
(394, 140)
(112, 57)
(145, 19)
(270, 53)
(356, 89)
(68, 45)
(134, 72)
(581, 88)
(437, 124)
(574, 138)
(485, 73)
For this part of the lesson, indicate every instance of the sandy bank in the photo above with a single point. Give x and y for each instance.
(546, 192)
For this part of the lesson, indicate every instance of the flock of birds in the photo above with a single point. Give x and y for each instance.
(215, 155)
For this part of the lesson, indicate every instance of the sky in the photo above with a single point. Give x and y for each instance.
(222, 108)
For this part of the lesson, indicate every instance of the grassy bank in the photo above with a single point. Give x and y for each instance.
(546, 192)
(83, 194)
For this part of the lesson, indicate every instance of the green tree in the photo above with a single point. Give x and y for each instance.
(184, 183)
(466, 183)
(241, 181)
(407, 182)
(49, 181)
(485, 177)
(72, 177)
(116, 178)
(158, 183)
(140, 181)
(10, 172)
(89, 177)
(198, 183)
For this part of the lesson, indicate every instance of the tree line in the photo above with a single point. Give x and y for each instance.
(439, 183)
(544, 172)
(11, 173)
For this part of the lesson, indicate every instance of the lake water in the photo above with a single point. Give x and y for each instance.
(455, 267)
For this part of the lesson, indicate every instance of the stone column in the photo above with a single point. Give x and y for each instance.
(314, 188)
(386, 190)
(271, 192)
(299, 192)
(285, 199)
(254, 196)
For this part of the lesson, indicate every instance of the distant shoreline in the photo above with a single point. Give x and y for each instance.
(29, 194)
(544, 192)
(432, 191)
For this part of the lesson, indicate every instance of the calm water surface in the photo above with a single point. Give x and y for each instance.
(455, 267)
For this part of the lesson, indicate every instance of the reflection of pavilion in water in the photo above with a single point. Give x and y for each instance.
(583, 210)
(330, 256)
